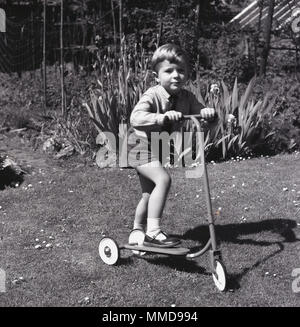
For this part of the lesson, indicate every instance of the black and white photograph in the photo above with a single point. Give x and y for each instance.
(149, 157)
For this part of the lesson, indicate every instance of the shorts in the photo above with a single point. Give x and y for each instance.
(141, 153)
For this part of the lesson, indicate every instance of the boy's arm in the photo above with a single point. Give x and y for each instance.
(143, 117)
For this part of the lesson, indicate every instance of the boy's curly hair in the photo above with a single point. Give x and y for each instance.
(171, 52)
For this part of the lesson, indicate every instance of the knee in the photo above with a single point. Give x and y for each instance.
(165, 181)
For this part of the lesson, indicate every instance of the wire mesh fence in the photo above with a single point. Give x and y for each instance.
(21, 45)
(36, 35)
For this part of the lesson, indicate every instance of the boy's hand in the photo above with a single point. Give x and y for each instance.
(173, 115)
(207, 113)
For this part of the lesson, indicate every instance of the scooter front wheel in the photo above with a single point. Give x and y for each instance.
(109, 251)
(219, 276)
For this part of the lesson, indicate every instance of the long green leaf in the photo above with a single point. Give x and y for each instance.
(234, 97)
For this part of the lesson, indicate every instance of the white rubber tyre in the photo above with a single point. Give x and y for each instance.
(136, 237)
(109, 251)
(219, 276)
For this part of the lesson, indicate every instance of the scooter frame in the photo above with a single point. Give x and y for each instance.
(109, 250)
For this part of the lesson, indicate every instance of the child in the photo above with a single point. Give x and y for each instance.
(169, 100)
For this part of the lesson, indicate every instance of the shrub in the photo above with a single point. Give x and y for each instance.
(120, 84)
(240, 118)
(11, 174)
(282, 125)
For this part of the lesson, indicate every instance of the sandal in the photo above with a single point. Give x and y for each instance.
(168, 242)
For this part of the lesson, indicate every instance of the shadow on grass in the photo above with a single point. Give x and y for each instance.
(9, 177)
(127, 261)
(237, 234)
(178, 263)
(231, 233)
(174, 262)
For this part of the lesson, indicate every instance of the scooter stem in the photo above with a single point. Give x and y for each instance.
(210, 217)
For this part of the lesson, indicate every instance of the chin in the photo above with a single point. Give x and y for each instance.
(175, 90)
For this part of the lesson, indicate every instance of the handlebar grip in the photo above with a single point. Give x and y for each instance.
(166, 120)
(214, 117)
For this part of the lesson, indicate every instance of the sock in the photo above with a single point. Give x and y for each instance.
(153, 228)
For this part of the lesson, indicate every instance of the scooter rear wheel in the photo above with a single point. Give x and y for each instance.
(219, 276)
(136, 237)
(109, 251)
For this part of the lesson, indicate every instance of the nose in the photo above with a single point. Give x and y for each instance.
(175, 73)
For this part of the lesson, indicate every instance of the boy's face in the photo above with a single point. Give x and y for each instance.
(172, 76)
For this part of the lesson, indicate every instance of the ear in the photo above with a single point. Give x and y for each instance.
(155, 76)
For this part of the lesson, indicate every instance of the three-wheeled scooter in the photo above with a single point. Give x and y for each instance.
(109, 250)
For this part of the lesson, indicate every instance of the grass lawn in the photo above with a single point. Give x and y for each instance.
(71, 205)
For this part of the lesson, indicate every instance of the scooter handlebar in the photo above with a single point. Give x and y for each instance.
(197, 116)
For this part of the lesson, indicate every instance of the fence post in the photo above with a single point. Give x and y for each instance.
(32, 38)
(266, 48)
(44, 57)
(121, 23)
(114, 26)
(62, 59)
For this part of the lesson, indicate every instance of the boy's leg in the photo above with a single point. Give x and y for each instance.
(162, 182)
(140, 219)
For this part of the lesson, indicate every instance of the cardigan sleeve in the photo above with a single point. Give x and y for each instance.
(145, 115)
